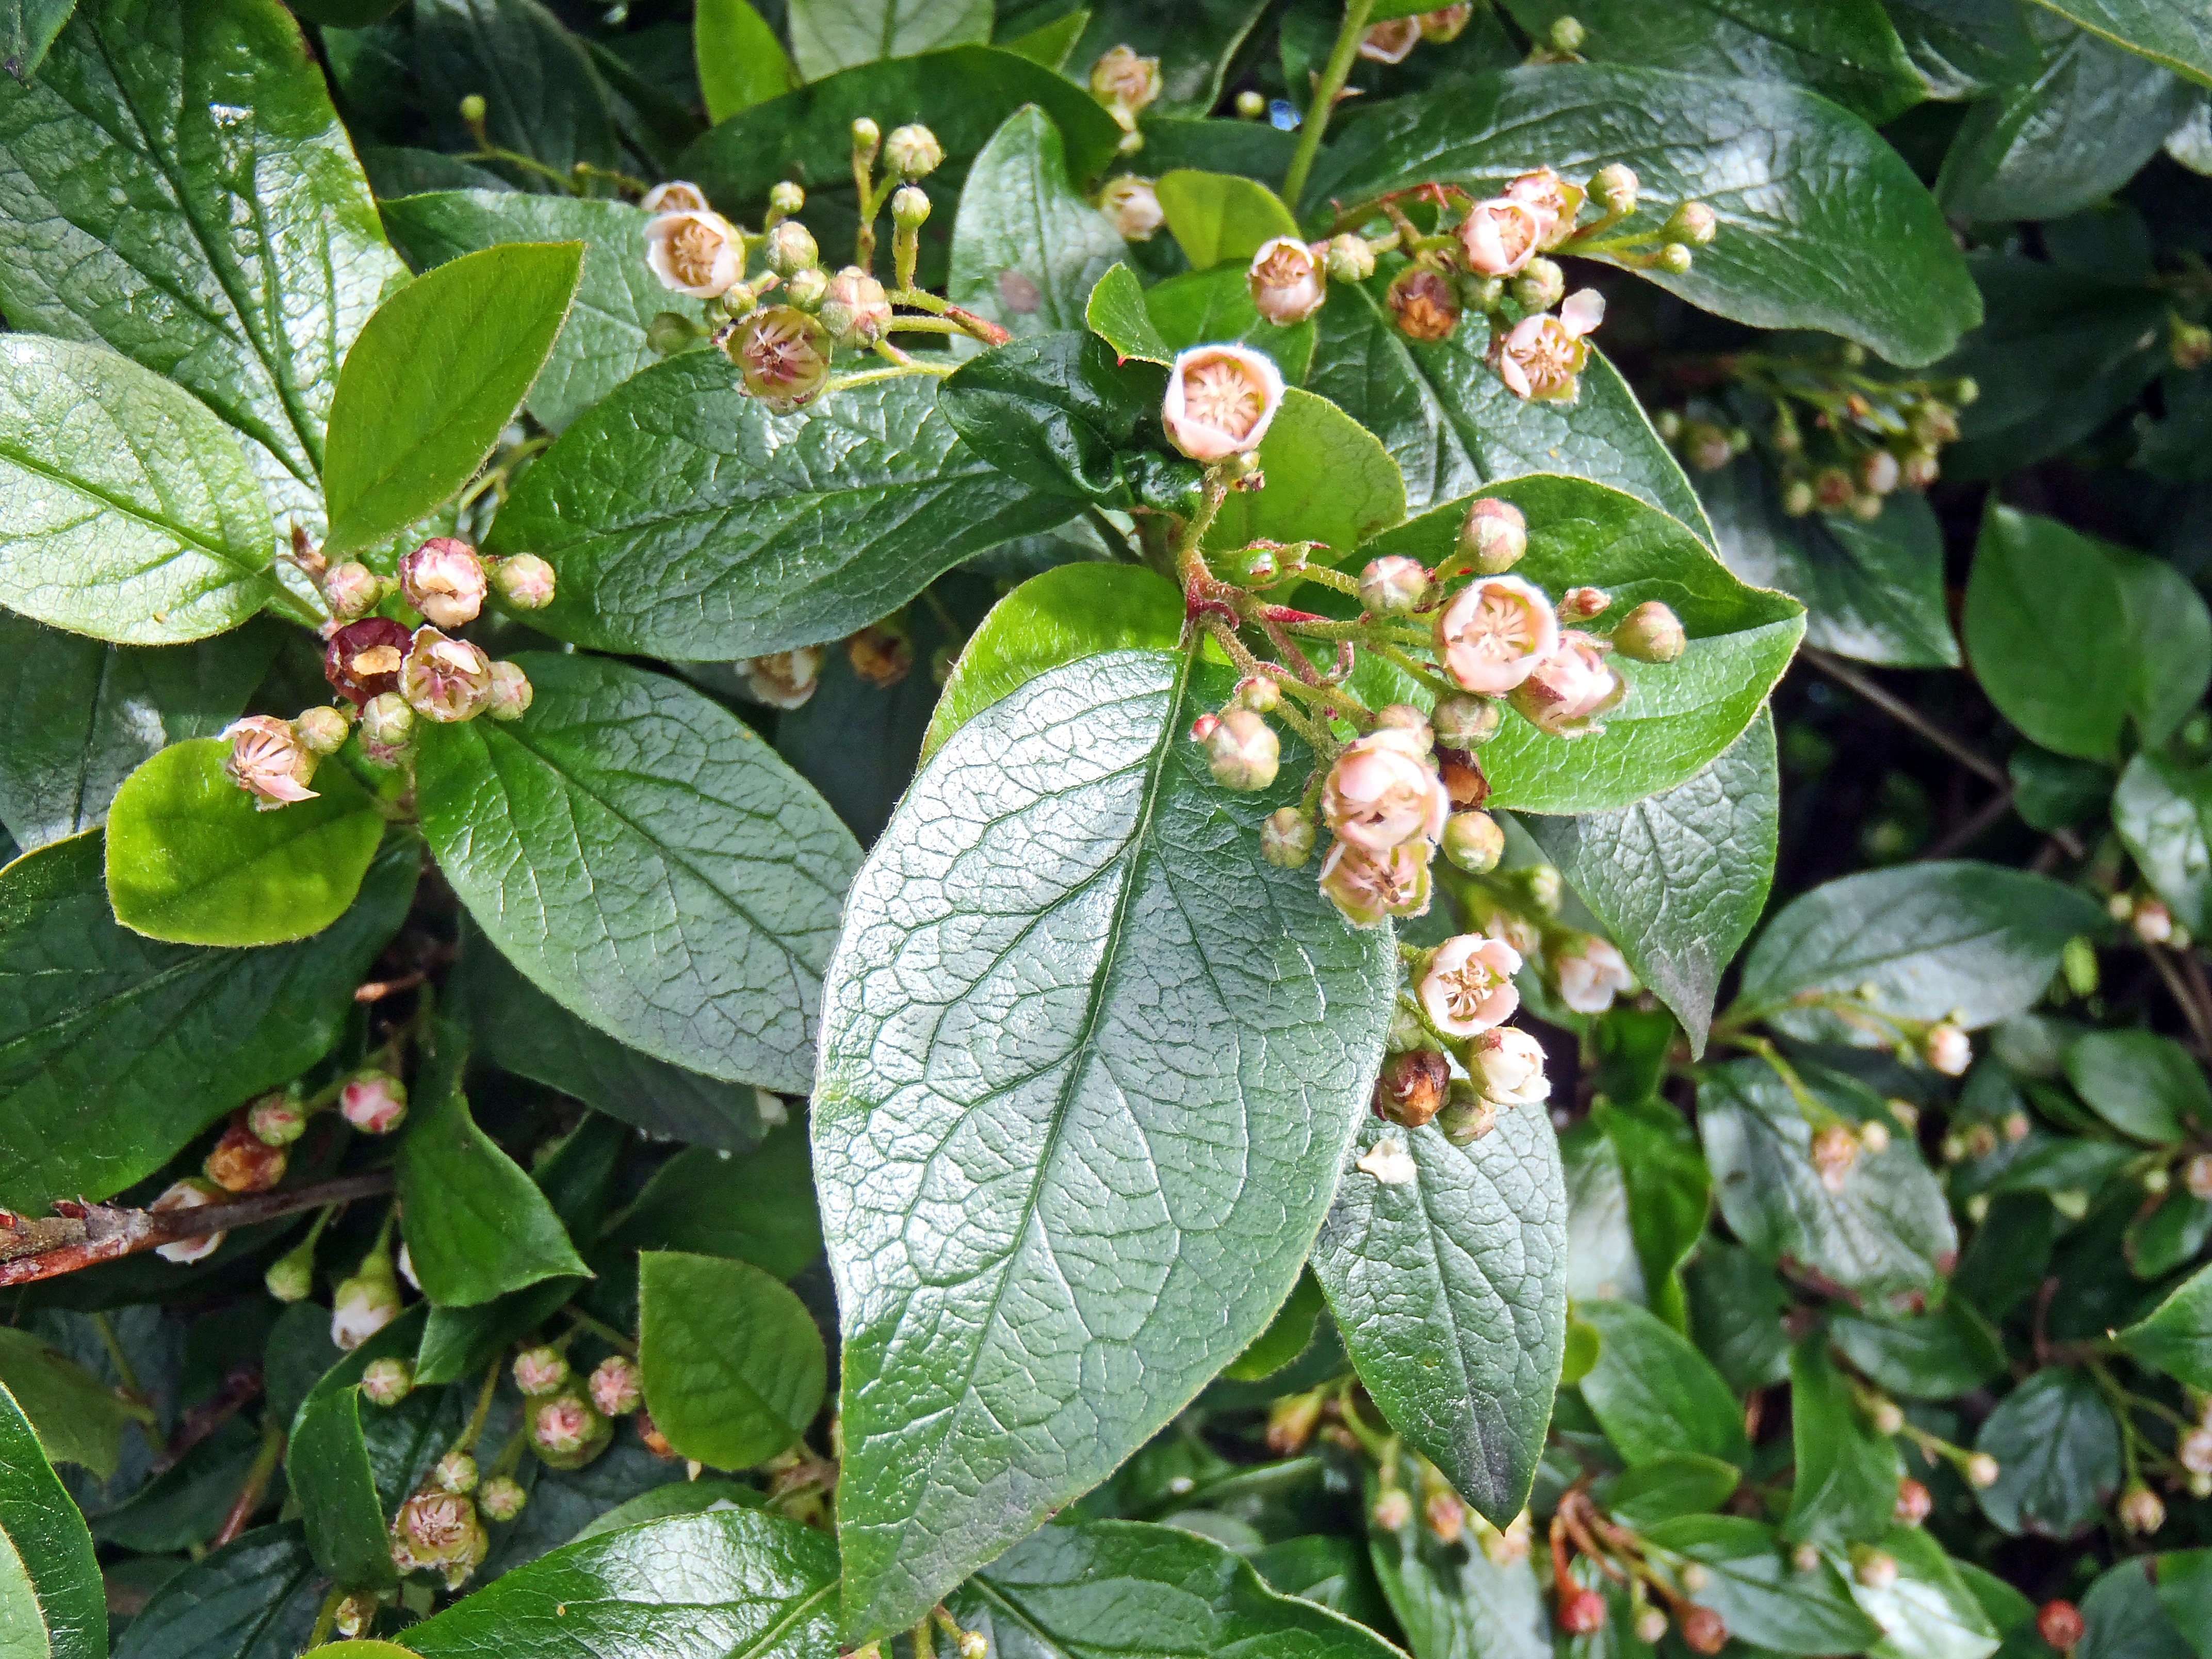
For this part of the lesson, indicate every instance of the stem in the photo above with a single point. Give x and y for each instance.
(606, 1333)
(124, 1372)
(2193, 1007)
(255, 1485)
(889, 372)
(326, 1618)
(1324, 98)
(1391, 653)
(1909, 717)
(1111, 534)
(477, 1418)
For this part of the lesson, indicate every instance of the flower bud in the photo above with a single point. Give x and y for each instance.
(1132, 207)
(352, 590)
(1243, 752)
(1876, 1569)
(1541, 285)
(910, 208)
(1411, 1088)
(1393, 586)
(1447, 23)
(784, 197)
(365, 1304)
(807, 289)
(1287, 281)
(2152, 921)
(2142, 1510)
(1949, 1050)
(1481, 294)
(1674, 259)
(1347, 258)
(1650, 633)
(524, 581)
(1389, 42)
(438, 1531)
(1806, 1558)
(268, 761)
(502, 1498)
(1692, 222)
(1261, 693)
(1582, 1612)
(321, 731)
(1567, 690)
(1507, 1066)
(782, 356)
(786, 680)
(444, 579)
(566, 1432)
(1705, 446)
(1426, 306)
(2190, 344)
(1464, 722)
(1581, 604)
(2197, 1176)
(855, 310)
(669, 332)
(1291, 1423)
(1651, 1626)
(1473, 842)
(540, 1371)
(677, 196)
(1287, 839)
(387, 724)
(2194, 1450)
(1874, 1137)
(913, 152)
(1834, 1152)
(1367, 887)
(867, 138)
(1250, 105)
(387, 1381)
(291, 1276)
(456, 1472)
(1125, 82)
(1393, 1511)
(695, 252)
(2155, 1180)
(444, 679)
(2061, 1624)
(1615, 188)
(1467, 1114)
(791, 247)
(1887, 1417)
(374, 1102)
(511, 692)
(473, 110)
(1797, 498)
(277, 1119)
(1221, 401)
(882, 653)
(1445, 1515)
(1566, 34)
(1494, 537)
(1982, 1470)
(1695, 1578)
(1913, 1503)
(616, 1387)
(242, 1162)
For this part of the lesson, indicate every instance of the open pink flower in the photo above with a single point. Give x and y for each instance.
(1383, 792)
(1467, 986)
(1500, 236)
(1565, 692)
(1553, 197)
(1540, 357)
(1390, 42)
(1494, 632)
(1591, 972)
(1287, 281)
(1366, 887)
(1221, 400)
(268, 761)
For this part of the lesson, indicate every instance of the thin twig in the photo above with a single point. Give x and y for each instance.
(2194, 1007)
(256, 1484)
(1970, 829)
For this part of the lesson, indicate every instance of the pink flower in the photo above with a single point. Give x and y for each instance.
(1540, 357)
(1389, 43)
(1221, 401)
(1287, 281)
(694, 250)
(1590, 972)
(445, 680)
(1508, 1066)
(1368, 886)
(783, 356)
(1494, 632)
(1132, 207)
(677, 196)
(444, 579)
(373, 1103)
(616, 1389)
(1551, 196)
(1383, 792)
(1467, 986)
(1500, 236)
(1950, 1050)
(188, 1195)
(268, 761)
(1565, 692)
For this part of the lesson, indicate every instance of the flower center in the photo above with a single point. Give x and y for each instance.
(1501, 629)
(1284, 268)
(692, 252)
(1222, 395)
(779, 352)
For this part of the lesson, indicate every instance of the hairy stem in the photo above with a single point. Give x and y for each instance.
(1332, 80)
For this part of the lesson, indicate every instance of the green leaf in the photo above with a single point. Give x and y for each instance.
(734, 1368)
(687, 522)
(1289, 1335)
(2177, 1337)
(1217, 216)
(1654, 1394)
(475, 1226)
(327, 1466)
(758, 1208)
(1753, 1584)
(2170, 642)
(1843, 49)
(735, 1581)
(1679, 716)
(1935, 1356)
(1064, 614)
(1679, 878)
(80, 715)
(1871, 591)
(138, 1046)
(1736, 1304)
(1196, 43)
(1822, 225)
(2166, 32)
(1057, 412)
(1669, 1187)
(176, 184)
(1064, 1080)
(1452, 426)
(1603, 1261)
(2184, 1591)
(1962, 48)
(603, 342)
(2128, 1618)
(963, 95)
(1933, 939)
(1118, 1586)
(2163, 811)
(829, 35)
(130, 513)
(648, 862)
(1027, 245)
(1845, 1490)
(543, 96)
(2168, 1236)
(2058, 1447)
(1455, 1602)
(2143, 1085)
(433, 379)
(1329, 480)
(28, 28)
(1669, 1486)
(741, 63)
(1205, 308)
(1888, 1232)
(2066, 135)
(191, 860)
(525, 1032)
(78, 1419)
(255, 1598)
(1928, 1612)
(51, 1602)
(1117, 313)
(1450, 1291)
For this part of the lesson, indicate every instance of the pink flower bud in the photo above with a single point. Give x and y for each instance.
(1983, 1470)
(1651, 1626)
(275, 1118)
(2194, 1450)
(1411, 1088)
(1949, 1050)
(1913, 1503)
(540, 1371)
(373, 1102)
(1498, 237)
(268, 761)
(387, 1381)
(786, 680)
(351, 589)
(525, 581)
(1581, 1612)
(1507, 1065)
(1287, 839)
(855, 308)
(2142, 1510)
(1540, 357)
(1261, 693)
(188, 1194)
(1553, 197)
(1468, 986)
(1567, 691)
(1132, 207)
(1367, 887)
(1703, 1630)
(1287, 281)
(617, 1388)
(1390, 42)
(2152, 921)
(1692, 222)
(1393, 1510)
(1203, 728)
(362, 659)
(677, 196)
(1494, 633)
(1581, 604)
(502, 1498)
(445, 680)
(1393, 586)
(511, 692)
(1124, 82)
(694, 250)
(1243, 752)
(566, 1432)
(1473, 842)
(1650, 633)
(1591, 971)
(2197, 1176)
(782, 356)
(456, 1472)
(444, 579)
(1465, 723)
(365, 1304)
(1422, 304)
(2061, 1624)
(1221, 401)
(244, 1162)
(1383, 792)
(1444, 1516)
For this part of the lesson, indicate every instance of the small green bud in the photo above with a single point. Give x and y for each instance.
(1287, 839)
(321, 731)
(1797, 498)
(668, 333)
(1250, 105)
(807, 289)
(1348, 259)
(502, 1498)
(1481, 294)
(867, 138)
(1467, 722)
(910, 208)
(1692, 222)
(1965, 391)
(1393, 586)
(1615, 187)
(785, 198)
(1541, 285)
(913, 152)
(1473, 842)
(1675, 259)
(1566, 34)
(387, 1381)
(291, 1277)
(791, 248)
(473, 111)
(456, 1472)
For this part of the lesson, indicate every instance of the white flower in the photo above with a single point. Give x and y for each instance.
(1389, 1163)
(695, 250)
(1383, 792)
(1508, 1064)
(1494, 632)
(364, 1305)
(1133, 206)
(1221, 400)
(188, 1195)
(1287, 281)
(677, 196)
(1590, 972)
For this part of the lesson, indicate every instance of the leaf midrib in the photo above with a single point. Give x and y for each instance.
(191, 538)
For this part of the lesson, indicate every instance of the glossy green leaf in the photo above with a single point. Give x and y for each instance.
(1217, 217)
(1450, 1293)
(1049, 44)
(1057, 413)
(1845, 50)
(1736, 1304)
(686, 522)
(2169, 31)
(647, 861)
(1928, 1612)
(1679, 716)
(1962, 48)
(1602, 1262)
(1289, 1335)
(255, 1598)
(1871, 591)
(2184, 1591)
(1934, 939)
(1671, 1485)
(741, 61)
(1069, 613)
(1110, 1587)
(1117, 313)
(1822, 224)
(2163, 811)
(2177, 1337)
(130, 513)
(328, 1468)
(1669, 1187)
(1028, 247)
(2143, 1085)
(1453, 426)
(2066, 135)
(543, 96)
(1752, 1582)
(603, 342)
(475, 1226)
(51, 1602)
(2058, 1447)
(1887, 1232)
(2131, 1618)
(758, 1208)
(1654, 1394)
(1679, 878)
(1845, 1489)
(28, 28)
(732, 1582)
(1205, 307)
(734, 1369)
(1454, 1602)
(191, 860)
(1033, 1283)
(80, 715)
(829, 35)
(138, 1046)
(1933, 1355)
(1329, 480)
(175, 182)
(2169, 639)
(77, 1420)
(1196, 43)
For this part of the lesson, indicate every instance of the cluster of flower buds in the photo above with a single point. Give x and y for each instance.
(1127, 84)
(566, 1427)
(1393, 42)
